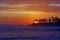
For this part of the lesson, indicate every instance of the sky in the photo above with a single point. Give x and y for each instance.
(24, 11)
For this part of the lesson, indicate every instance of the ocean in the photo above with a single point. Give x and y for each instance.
(18, 32)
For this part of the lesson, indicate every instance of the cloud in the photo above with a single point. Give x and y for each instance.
(55, 5)
(18, 6)
(29, 1)
(44, 5)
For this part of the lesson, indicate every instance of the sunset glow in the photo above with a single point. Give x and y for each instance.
(24, 11)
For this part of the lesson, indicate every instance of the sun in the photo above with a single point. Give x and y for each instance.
(35, 21)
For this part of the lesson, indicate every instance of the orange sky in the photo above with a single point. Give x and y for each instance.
(24, 11)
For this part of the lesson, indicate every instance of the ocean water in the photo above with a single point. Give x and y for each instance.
(17, 32)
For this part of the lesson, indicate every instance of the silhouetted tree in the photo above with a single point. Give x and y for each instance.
(49, 20)
(36, 20)
(55, 19)
(42, 20)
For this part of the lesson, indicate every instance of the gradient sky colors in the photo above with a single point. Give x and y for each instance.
(24, 11)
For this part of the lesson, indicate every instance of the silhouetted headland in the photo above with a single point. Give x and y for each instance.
(53, 21)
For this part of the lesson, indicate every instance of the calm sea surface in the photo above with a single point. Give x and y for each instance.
(17, 32)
